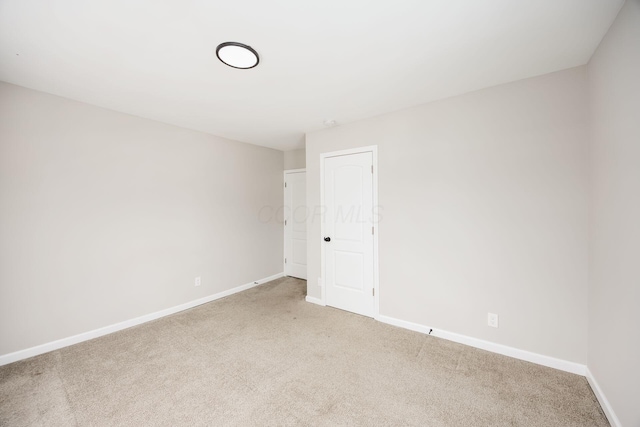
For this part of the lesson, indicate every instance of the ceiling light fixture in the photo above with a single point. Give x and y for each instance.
(330, 123)
(237, 55)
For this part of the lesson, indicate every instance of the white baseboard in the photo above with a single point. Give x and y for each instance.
(85, 336)
(604, 403)
(314, 300)
(552, 362)
(403, 324)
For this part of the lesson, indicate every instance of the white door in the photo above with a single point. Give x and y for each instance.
(348, 232)
(295, 224)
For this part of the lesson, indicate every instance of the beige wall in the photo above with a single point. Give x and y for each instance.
(295, 159)
(105, 216)
(614, 279)
(484, 209)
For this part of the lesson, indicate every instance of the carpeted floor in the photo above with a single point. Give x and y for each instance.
(267, 357)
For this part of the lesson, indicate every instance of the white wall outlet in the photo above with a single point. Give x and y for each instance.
(320, 282)
(197, 283)
(493, 320)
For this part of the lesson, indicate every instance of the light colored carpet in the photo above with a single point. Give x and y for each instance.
(267, 357)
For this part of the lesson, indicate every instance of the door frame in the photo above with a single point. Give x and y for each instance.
(284, 204)
(373, 149)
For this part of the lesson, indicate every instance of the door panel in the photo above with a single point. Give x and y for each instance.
(295, 230)
(348, 222)
(348, 270)
(299, 255)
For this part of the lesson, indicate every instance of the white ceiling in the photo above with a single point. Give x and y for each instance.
(336, 59)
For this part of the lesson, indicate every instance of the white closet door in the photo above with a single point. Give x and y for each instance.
(348, 232)
(295, 229)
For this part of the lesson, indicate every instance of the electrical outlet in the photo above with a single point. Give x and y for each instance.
(197, 281)
(493, 320)
(320, 282)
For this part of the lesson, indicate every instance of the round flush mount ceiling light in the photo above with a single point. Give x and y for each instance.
(330, 123)
(237, 55)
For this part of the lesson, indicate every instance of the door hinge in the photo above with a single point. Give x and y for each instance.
(374, 291)
(285, 260)
(285, 222)
(371, 168)
(371, 230)
(285, 185)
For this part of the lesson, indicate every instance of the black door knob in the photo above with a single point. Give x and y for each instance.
(327, 239)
